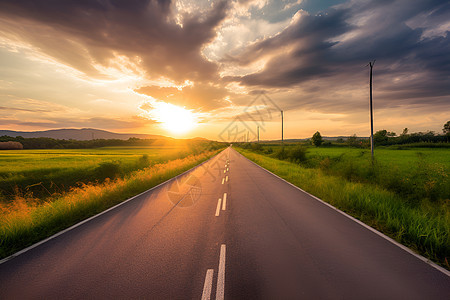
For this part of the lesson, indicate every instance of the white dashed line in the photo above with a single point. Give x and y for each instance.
(207, 287)
(223, 180)
(224, 203)
(218, 207)
(226, 178)
(220, 292)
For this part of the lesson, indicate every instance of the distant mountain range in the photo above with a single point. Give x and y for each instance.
(79, 134)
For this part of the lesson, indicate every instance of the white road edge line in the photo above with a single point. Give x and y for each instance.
(220, 292)
(207, 287)
(103, 212)
(223, 180)
(224, 203)
(426, 260)
(218, 207)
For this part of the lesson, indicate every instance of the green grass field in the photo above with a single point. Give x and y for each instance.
(416, 174)
(42, 173)
(402, 159)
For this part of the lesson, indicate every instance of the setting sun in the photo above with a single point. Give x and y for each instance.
(173, 118)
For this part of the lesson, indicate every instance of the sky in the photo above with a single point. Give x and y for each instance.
(220, 69)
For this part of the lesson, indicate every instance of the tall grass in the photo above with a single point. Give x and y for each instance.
(415, 175)
(424, 228)
(22, 224)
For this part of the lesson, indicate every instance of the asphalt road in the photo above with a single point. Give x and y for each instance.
(264, 239)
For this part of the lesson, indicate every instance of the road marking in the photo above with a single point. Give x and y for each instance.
(223, 180)
(224, 171)
(207, 287)
(224, 203)
(226, 178)
(218, 207)
(227, 169)
(225, 165)
(221, 275)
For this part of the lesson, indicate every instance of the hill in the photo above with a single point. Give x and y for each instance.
(83, 134)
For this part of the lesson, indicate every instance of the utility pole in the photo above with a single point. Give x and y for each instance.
(282, 120)
(371, 64)
(258, 132)
(247, 136)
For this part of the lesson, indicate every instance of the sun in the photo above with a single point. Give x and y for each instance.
(177, 120)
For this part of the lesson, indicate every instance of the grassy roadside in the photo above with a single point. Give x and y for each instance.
(26, 224)
(424, 228)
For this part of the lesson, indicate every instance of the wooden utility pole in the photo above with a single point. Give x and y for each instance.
(258, 132)
(371, 110)
(282, 121)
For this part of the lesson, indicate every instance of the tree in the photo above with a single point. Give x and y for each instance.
(352, 140)
(380, 137)
(317, 139)
(405, 132)
(446, 128)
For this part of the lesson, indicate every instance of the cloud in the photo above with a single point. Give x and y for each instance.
(86, 34)
(22, 109)
(200, 96)
(209, 57)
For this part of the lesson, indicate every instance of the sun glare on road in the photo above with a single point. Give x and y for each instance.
(175, 119)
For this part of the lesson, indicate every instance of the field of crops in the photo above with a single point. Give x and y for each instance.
(42, 173)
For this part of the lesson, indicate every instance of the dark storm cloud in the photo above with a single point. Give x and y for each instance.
(82, 33)
(334, 46)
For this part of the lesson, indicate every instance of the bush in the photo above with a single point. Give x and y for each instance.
(281, 153)
(297, 154)
(109, 169)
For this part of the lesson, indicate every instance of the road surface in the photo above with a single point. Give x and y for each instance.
(228, 229)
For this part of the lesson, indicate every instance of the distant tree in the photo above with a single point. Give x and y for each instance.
(446, 128)
(317, 139)
(340, 140)
(10, 145)
(405, 132)
(380, 137)
(352, 140)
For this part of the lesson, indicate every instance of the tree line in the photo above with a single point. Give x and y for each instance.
(387, 138)
(50, 143)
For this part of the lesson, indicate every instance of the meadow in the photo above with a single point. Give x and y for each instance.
(416, 174)
(111, 175)
(43, 173)
(405, 193)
